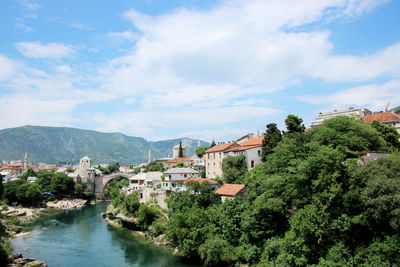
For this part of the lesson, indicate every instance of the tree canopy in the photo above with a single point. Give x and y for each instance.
(234, 169)
(305, 205)
(271, 139)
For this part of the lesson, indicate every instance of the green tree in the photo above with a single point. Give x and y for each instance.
(348, 133)
(33, 193)
(155, 166)
(271, 139)
(61, 185)
(234, 169)
(212, 143)
(294, 124)
(147, 215)
(29, 172)
(217, 251)
(114, 167)
(201, 150)
(180, 154)
(132, 203)
(11, 189)
(389, 134)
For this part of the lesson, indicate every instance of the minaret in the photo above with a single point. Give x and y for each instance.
(258, 132)
(198, 143)
(26, 161)
(149, 155)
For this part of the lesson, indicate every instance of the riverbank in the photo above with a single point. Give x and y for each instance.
(116, 219)
(13, 217)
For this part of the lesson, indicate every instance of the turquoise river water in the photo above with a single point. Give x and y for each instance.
(82, 238)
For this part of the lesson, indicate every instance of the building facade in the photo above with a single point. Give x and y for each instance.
(358, 114)
(214, 157)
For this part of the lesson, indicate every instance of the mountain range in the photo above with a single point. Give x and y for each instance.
(62, 144)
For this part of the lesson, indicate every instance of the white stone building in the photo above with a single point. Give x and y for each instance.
(351, 112)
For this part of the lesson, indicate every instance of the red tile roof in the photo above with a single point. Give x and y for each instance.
(201, 180)
(242, 148)
(230, 189)
(175, 160)
(223, 147)
(381, 117)
(256, 141)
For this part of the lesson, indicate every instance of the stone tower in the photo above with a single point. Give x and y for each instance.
(84, 165)
(26, 161)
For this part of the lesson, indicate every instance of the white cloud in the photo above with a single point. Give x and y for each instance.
(373, 96)
(30, 5)
(64, 69)
(49, 50)
(8, 67)
(127, 35)
(204, 72)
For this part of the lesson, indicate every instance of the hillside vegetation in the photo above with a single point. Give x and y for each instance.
(58, 144)
(308, 204)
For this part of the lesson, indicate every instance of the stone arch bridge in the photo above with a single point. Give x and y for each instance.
(100, 182)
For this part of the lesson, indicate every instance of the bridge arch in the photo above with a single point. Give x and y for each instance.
(102, 181)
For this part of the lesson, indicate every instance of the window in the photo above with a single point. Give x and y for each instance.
(259, 152)
(185, 175)
(252, 164)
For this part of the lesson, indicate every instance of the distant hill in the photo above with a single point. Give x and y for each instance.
(60, 144)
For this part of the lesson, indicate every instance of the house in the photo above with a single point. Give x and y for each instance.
(212, 183)
(388, 118)
(251, 149)
(181, 174)
(31, 179)
(230, 191)
(144, 178)
(175, 177)
(370, 156)
(244, 139)
(214, 157)
(124, 169)
(173, 162)
(6, 176)
(350, 112)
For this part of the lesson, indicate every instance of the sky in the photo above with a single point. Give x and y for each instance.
(196, 68)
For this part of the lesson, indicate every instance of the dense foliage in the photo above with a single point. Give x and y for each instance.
(154, 166)
(306, 205)
(271, 139)
(201, 150)
(49, 186)
(234, 169)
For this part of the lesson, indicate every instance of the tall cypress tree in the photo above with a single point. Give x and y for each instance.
(180, 155)
(271, 139)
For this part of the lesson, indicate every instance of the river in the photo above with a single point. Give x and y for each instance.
(82, 238)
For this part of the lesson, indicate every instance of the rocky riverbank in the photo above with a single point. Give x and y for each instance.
(13, 216)
(115, 218)
(17, 260)
(67, 204)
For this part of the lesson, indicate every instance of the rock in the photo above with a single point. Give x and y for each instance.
(26, 262)
(36, 263)
(15, 256)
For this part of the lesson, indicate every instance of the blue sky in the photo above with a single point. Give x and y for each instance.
(198, 68)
